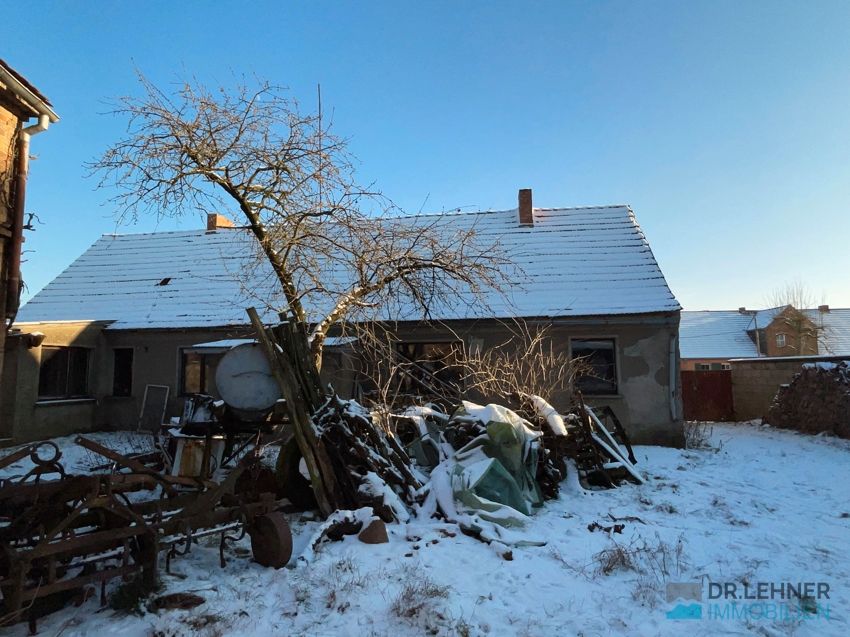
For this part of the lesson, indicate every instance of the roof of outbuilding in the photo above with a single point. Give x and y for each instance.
(574, 262)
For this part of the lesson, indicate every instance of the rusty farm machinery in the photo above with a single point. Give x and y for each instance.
(61, 534)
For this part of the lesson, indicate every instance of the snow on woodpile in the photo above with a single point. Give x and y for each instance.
(818, 399)
(572, 262)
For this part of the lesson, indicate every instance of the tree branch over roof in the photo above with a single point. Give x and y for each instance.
(337, 247)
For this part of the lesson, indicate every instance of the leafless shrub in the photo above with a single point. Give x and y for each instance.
(527, 363)
(698, 435)
(417, 594)
(658, 560)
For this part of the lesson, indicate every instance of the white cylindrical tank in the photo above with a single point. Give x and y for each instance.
(245, 380)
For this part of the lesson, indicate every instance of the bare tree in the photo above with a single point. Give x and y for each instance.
(340, 251)
(798, 300)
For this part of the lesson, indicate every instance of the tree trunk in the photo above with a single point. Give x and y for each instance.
(293, 367)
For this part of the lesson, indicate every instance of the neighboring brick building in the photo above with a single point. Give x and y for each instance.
(735, 361)
(19, 102)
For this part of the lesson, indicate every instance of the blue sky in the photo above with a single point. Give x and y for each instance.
(725, 125)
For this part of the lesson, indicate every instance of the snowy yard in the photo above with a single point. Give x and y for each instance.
(763, 506)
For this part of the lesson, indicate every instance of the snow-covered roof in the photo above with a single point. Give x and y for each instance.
(229, 343)
(715, 334)
(574, 262)
(835, 330)
(724, 333)
(159, 280)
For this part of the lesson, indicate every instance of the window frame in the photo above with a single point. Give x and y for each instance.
(616, 344)
(205, 379)
(784, 339)
(68, 394)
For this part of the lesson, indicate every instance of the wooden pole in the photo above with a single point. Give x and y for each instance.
(300, 387)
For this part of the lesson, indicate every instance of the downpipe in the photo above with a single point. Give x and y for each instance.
(14, 284)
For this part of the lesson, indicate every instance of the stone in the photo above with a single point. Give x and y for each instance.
(374, 533)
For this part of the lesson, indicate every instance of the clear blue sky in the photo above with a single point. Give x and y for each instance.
(725, 125)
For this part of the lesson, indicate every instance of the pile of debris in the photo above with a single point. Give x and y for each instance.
(816, 400)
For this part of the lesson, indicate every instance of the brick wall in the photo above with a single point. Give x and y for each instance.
(755, 381)
(9, 124)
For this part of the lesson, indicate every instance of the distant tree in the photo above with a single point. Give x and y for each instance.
(804, 328)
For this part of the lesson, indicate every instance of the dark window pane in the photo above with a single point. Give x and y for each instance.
(210, 366)
(78, 372)
(429, 368)
(122, 372)
(64, 372)
(53, 375)
(600, 357)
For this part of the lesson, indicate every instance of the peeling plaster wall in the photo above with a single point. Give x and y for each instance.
(647, 362)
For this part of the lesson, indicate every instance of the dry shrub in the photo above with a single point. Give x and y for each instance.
(417, 594)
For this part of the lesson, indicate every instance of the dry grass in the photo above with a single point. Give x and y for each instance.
(658, 559)
(417, 594)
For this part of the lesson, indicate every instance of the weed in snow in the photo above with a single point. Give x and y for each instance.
(658, 560)
(418, 593)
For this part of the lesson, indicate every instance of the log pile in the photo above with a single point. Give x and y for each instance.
(816, 400)
(351, 461)
(368, 462)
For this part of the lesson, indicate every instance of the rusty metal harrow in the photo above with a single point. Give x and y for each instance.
(61, 533)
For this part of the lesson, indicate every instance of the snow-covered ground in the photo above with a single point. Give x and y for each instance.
(763, 506)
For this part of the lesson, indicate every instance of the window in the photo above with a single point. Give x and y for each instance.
(702, 367)
(64, 373)
(122, 371)
(725, 366)
(599, 355)
(429, 368)
(780, 340)
(198, 373)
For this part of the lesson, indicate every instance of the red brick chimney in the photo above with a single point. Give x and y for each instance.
(216, 221)
(526, 216)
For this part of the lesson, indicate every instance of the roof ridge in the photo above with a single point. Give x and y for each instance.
(448, 213)
(160, 232)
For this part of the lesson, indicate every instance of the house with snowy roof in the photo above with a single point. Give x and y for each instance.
(137, 310)
(711, 338)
